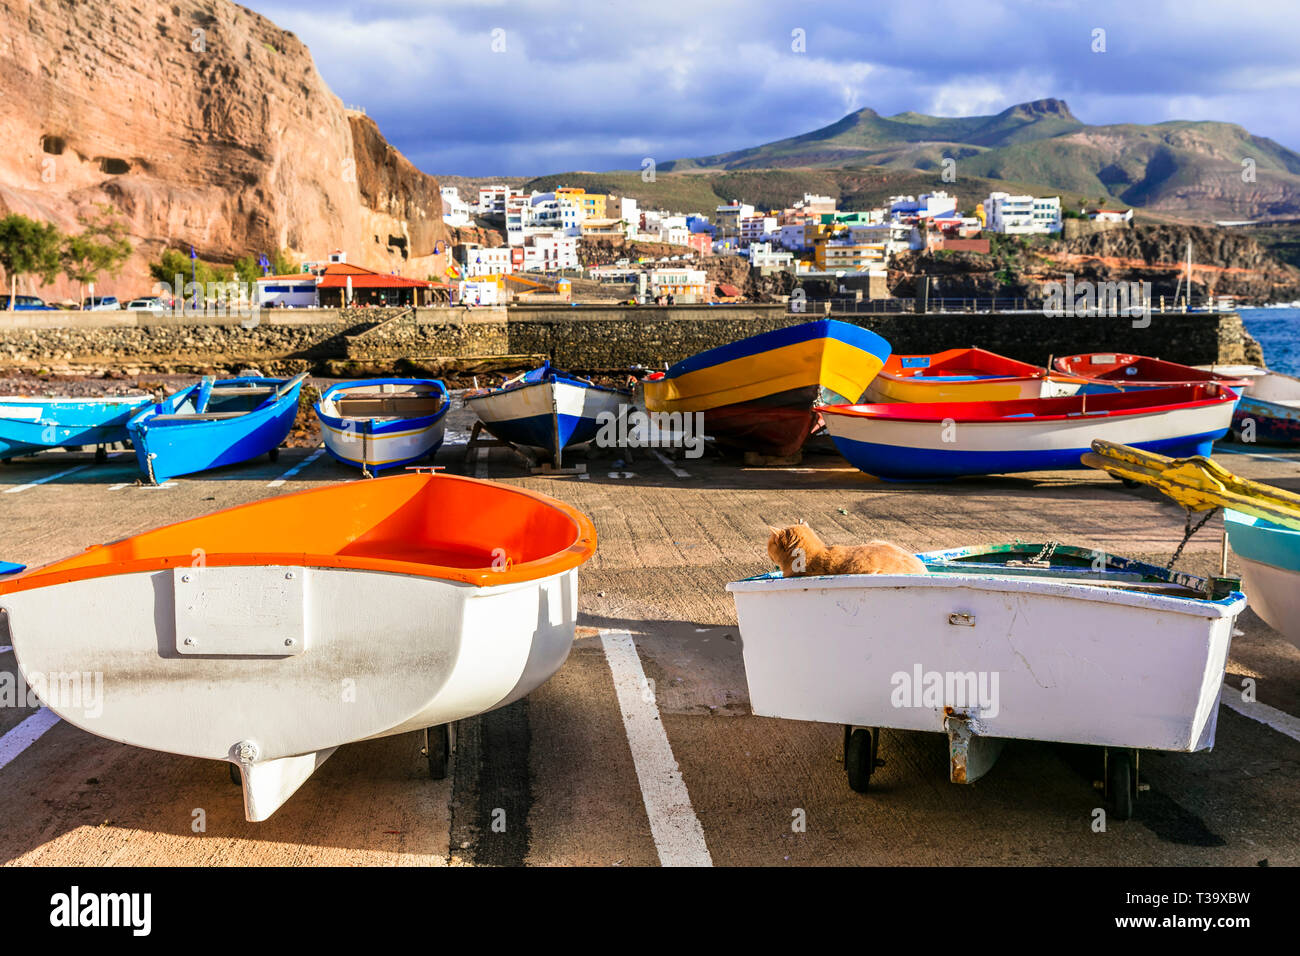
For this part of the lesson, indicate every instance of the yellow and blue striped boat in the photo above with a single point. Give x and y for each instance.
(760, 393)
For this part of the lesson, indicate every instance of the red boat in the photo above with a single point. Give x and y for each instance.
(1112, 371)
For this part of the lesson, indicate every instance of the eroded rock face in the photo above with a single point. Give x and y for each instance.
(203, 124)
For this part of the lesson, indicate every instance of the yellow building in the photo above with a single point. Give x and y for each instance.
(979, 214)
(851, 257)
(591, 204)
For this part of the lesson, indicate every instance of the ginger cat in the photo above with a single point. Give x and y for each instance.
(798, 551)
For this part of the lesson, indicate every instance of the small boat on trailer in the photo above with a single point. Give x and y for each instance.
(964, 375)
(548, 410)
(316, 619)
(1262, 522)
(1116, 371)
(948, 440)
(32, 425)
(1269, 410)
(760, 394)
(1012, 641)
(383, 422)
(214, 423)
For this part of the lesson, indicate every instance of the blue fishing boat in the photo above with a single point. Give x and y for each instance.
(547, 409)
(7, 567)
(31, 425)
(213, 424)
(383, 422)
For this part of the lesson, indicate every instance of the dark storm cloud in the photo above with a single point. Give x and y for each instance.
(598, 85)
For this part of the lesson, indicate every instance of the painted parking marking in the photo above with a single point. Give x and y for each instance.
(25, 734)
(48, 478)
(1271, 717)
(1258, 454)
(678, 836)
(6, 649)
(140, 484)
(667, 463)
(297, 468)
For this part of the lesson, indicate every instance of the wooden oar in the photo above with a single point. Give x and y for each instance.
(288, 386)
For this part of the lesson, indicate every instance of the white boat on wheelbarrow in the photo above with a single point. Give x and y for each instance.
(313, 620)
(1017, 641)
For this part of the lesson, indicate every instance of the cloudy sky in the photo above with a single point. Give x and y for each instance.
(527, 87)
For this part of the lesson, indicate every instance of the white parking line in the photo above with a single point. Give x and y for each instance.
(678, 836)
(1257, 454)
(297, 468)
(6, 649)
(47, 478)
(667, 463)
(25, 734)
(481, 468)
(1278, 720)
(143, 486)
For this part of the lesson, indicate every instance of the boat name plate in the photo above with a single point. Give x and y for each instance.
(240, 611)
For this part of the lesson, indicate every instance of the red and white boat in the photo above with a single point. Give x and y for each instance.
(950, 439)
(965, 375)
(1115, 371)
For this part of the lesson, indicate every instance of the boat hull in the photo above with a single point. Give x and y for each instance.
(760, 393)
(902, 449)
(28, 426)
(374, 654)
(1270, 562)
(550, 415)
(378, 444)
(1074, 664)
(1268, 423)
(168, 449)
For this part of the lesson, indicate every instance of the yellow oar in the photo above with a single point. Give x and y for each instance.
(1196, 483)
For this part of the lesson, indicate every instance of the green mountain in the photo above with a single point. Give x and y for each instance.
(1178, 169)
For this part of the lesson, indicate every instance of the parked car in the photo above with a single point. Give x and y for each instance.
(149, 304)
(101, 303)
(26, 303)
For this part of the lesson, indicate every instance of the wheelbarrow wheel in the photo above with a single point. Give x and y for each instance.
(273, 454)
(437, 750)
(1120, 783)
(860, 759)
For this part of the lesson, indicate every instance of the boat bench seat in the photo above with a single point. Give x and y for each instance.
(388, 406)
(204, 417)
(220, 392)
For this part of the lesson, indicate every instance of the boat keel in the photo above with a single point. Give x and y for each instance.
(970, 755)
(269, 783)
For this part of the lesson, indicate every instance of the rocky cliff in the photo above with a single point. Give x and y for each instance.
(1224, 262)
(203, 124)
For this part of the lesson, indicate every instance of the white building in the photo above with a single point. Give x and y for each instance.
(550, 251)
(675, 235)
(684, 285)
(492, 200)
(815, 205)
(482, 261)
(476, 293)
(1021, 215)
(756, 228)
(455, 211)
(763, 256)
(1109, 215)
(927, 206)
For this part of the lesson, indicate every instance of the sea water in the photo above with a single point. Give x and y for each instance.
(1278, 333)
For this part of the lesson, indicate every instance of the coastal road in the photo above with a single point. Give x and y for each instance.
(642, 749)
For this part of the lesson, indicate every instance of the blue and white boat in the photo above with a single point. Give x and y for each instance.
(1269, 553)
(213, 423)
(383, 423)
(31, 425)
(547, 409)
(908, 442)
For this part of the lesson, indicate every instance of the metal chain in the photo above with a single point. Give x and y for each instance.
(1188, 531)
(1049, 549)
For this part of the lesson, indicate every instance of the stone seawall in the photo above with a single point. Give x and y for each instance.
(581, 338)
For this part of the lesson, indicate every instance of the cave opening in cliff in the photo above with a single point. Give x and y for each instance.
(53, 145)
(114, 167)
